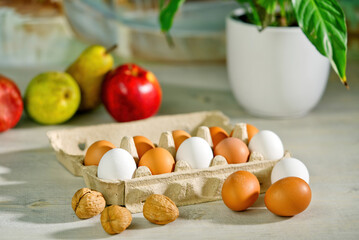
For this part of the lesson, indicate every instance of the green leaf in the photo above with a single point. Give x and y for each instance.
(161, 3)
(168, 12)
(251, 11)
(283, 12)
(266, 10)
(323, 22)
(268, 5)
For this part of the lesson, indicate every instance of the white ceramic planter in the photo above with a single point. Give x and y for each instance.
(276, 72)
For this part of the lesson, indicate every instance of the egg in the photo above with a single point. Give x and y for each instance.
(179, 136)
(196, 152)
(288, 196)
(142, 144)
(240, 190)
(116, 164)
(95, 152)
(233, 149)
(158, 160)
(268, 144)
(217, 135)
(289, 167)
(251, 131)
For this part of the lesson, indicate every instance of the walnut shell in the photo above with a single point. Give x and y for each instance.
(115, 219)
(87, 203)
(160, 209)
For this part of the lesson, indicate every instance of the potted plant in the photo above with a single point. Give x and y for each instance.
(273, 67)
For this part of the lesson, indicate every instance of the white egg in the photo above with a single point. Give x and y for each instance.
(289, 167)
(196, 152)
(268, 144)
(116, 164)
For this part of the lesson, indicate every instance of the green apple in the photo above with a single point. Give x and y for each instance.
(52, 98)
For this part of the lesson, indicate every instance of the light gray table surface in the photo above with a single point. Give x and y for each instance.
(36, 190)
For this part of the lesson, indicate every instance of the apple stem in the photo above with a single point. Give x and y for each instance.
(110, 49)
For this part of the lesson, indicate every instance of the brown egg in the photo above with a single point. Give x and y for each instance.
(158, 160)
(233, 149)
(288, 196)
(251, 131)
(142, 144)
(240, 190)
(217, 135)
(179, 136)
(96, 151)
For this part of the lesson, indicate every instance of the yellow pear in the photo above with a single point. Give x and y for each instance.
(89, 70)
(52, 98)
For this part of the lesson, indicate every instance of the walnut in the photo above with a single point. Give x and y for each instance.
(87, 203)
(115, 219)
(160, 209)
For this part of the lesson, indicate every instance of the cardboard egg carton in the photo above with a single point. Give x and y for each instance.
(184, 186)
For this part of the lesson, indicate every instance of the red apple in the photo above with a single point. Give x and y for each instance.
(130, 92)
(11, 104)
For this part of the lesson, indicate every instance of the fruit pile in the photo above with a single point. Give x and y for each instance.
(128, 92)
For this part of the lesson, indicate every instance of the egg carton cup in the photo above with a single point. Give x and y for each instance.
(185, 186)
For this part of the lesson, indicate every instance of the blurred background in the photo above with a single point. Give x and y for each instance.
(40, 35)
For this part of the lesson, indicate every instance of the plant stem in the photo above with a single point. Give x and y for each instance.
(283, 21)
(110, 49)
(283, 18)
